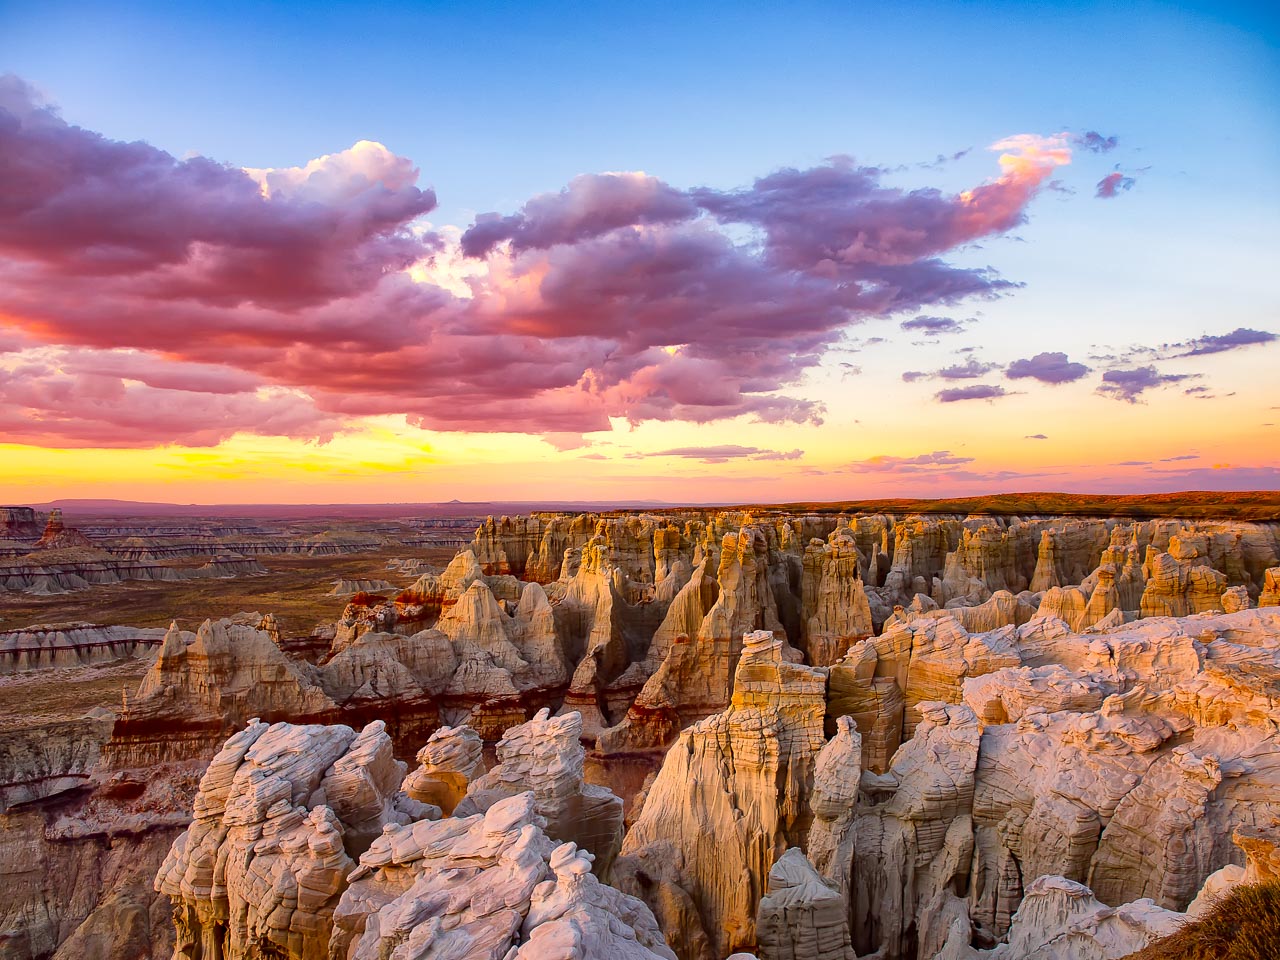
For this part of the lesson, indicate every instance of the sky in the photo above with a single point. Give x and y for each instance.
(675, 252)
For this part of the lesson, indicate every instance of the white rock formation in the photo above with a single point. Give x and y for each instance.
(546, 756)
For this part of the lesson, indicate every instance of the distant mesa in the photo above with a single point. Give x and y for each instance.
(57, 537)
(18, 523)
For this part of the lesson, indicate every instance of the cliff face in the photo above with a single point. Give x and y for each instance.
(868, 735)
(732, 794)
(304, 846)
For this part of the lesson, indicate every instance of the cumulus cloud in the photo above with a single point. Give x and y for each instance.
(590, 206)
(1130, 384)
(1239, 337)
(619, 296)
(1047, 368)
(1112, 185)
(971, 369)
(97, 402)
(978, 391)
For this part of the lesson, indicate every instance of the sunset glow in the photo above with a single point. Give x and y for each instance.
(1064, 299)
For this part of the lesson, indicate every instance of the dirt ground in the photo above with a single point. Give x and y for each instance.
(295, 589)
(42, 696)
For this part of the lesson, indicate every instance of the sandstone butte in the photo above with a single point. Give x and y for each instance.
(695, 735)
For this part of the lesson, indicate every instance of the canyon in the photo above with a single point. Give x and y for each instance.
(687, 733)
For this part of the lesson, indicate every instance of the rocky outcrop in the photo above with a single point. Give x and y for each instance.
(802, 915)
(837, 611)
(45, 760)
(731, 796)
(57, 536)
(487, 885)
(68, 569)
(1182, 581)
(914, 837)
(303, 846)
(696, 678)
(74, 645)
(1270, 596)
(345, 588)
(18, 523)
(1061, 919)
(280, 814)
(451, 759)
(206, 684)
(546, 756)
(834, 802)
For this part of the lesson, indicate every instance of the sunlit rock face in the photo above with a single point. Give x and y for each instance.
(304, 845)
(931, 714)
(732, 795)
(280, 814)
(450, 760)
(546, 756)
(488, 885)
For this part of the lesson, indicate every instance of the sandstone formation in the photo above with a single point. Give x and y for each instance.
(57, 536)
(888, 736)
(74, 644)
(68, 569)
(546, 756)
(303, 846)
(18, 523)
(487, 885)
(801, 915)
(451, 759)
(732, 795)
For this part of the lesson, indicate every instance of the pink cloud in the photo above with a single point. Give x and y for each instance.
(1112, 185)
(591, 205)
(44, 404)
(617, 297)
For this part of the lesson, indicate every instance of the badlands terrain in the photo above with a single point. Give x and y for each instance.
(1035, 728)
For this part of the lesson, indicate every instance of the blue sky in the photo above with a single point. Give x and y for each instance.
(500, 101)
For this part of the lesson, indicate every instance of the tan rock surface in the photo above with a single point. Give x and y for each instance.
(546, 756)
(733, 794)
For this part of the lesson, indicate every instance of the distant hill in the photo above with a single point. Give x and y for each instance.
(1190, 505)
(313, 511)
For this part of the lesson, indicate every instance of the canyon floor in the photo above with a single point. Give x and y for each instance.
(1044, 729)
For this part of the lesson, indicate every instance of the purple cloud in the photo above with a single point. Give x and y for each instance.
(1239, 337)
(590, 206)
(1035, 436)
(725, 452)
(978, 391)
(921, 463)
(1047, 368)
(619, 296)
(932, 326)
(1112, 184)
(1128, 385)
(969, 370)
(1096, 142)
